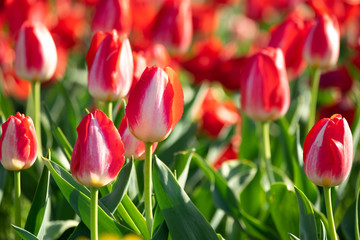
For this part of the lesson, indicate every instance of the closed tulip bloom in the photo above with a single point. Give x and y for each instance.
(133, 146)
(98, 153)
(290, 36)
(173, 25)
(111, 66)
(18, 143)
(112, 14)
(155, 104)
(328, 151)
(265, 93)
(35, 53)
(322, 44)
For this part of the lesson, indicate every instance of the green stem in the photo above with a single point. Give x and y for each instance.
(147, 186)
(94, 213)
(125, 215)
(266, 150)
(314, 93)
(109, 109)
(37, 112)
(329, 213)
(17, 199)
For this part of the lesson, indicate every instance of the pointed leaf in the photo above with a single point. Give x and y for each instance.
(182, 164)
(37, 211)
(182, 217)
(307, 219)
(112, 200)
(24, 234)
(285, 216)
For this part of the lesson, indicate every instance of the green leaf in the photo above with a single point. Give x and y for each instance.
(3, 174)
(59, 136)
(80, 201)
(225, 199)
(285, 216)
(24, 234)
(307, 219)
(182, 164)
(292, 236)
(182, 217)
(55, 229)
(357, 215)
(112, 200)
(80, 231)
(36, 220)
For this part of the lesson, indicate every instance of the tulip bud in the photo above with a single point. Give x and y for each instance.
(328, 151)
(133, 146)
(18, 143)
(322, 44)
(265, 93)
(111, 66)
(112, 14)
(155, 104)
(98, 153)
(35, 53)
(290, 36)
(173, 25)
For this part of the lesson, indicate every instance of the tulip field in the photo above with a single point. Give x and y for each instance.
(179, 120)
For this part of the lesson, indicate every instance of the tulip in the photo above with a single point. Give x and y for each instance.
(112, 14)
(35, 53)
(98, 153)
(18, 143)
(265, 93)
(290, 36)
(173, 25)
(35, 60)
(110, 65)
(328, 156)
(154, 107)
(321, 51)
(97, 157)
(18, 151)
(133, 146)
(328, 151)
(322, 44)
(155, 104)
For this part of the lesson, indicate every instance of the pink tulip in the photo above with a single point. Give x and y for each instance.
(133, 146)
(98, 153)
(322, 44)
(35, 53)
(112, 14)
(328, 151)
(155, 104)
(265, 93)
(110, 63)
(18, 143)
(173, 25)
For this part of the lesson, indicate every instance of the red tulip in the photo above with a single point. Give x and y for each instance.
(18, 143)
(133, 146)
(112, 14)
(290, 36)
(265, 93)
(339, 78)
(328, 151)
(111, 66)
(322, 44)
(98, 153)
(155, 104)
(215, 116)
(173, 25)
(14, 86)
(35, 53)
